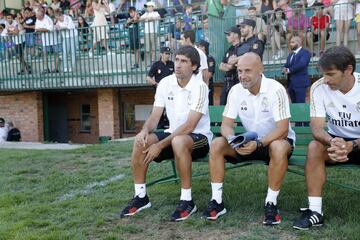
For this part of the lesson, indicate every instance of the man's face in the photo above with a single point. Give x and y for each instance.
(335, 78)
(150, 8)
(249, 72)
(183, 67)
(184, 41)
(245, 30)
(9, 19)
(252, 13)
(294, 44)
(40, 15)
(132, 14)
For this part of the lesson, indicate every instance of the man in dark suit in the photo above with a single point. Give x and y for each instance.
(296, 69)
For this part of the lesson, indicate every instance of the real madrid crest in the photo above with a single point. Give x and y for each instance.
(265, 105)
(255, 46)
(159, 71)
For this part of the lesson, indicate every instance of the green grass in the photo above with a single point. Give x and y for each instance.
(32, 183)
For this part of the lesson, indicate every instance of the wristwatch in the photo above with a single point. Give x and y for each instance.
(355, 145)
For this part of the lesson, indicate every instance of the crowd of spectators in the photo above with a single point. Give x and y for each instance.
(86, 25)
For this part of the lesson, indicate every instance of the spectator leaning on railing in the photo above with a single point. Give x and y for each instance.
(278, 33)
(83, 30)
(343, 14)
(133, 24)
(297, 24)
(69, 35)
(29, 26)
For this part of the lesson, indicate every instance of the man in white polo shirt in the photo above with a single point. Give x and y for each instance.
(186, 102)
(263, 107)
(45, 25)
(188, 39)
(335, 102)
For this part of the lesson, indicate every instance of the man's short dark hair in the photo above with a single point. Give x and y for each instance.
(191, 53)
(252, 8)
(132, 9)
(190, 34)
(28, 9)
(338, 57)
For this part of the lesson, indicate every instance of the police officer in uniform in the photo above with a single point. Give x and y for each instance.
(204, 45)
(233, 36)
(251, 43)
(160, 69)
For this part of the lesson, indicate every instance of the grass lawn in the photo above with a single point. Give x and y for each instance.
(78, 194)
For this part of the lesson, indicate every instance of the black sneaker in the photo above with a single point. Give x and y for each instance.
(135, 66)
(183, 211)
(272, 216)
(214, 210)
(308, 219)
(136, 205)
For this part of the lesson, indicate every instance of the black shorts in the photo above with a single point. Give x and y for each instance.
(200, 146)
(316, 37)
(354, 157)
(260, 154)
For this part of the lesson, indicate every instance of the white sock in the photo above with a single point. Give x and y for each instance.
(315, 204)
(185, 194)
(140, 190)
(271, 196)
(217, 189)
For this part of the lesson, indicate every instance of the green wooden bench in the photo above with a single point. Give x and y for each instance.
(299, 113)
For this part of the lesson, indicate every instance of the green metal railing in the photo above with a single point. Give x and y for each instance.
(111, 62)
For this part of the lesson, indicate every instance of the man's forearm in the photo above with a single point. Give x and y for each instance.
(321, 135)
(184, 129)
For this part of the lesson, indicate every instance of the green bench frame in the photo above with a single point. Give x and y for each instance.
(300, 112)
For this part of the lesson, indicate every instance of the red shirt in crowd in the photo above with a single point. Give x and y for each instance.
(324, 20)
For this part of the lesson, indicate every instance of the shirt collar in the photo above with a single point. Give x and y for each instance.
(188, 86)
(297, 50)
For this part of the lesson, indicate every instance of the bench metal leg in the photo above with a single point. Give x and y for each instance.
(171, 178)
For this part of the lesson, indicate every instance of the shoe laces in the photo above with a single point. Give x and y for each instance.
(270, 209)
(212, 205)
(183, 205)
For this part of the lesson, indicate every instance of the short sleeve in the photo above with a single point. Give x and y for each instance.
(230, 110)
(200, 98)
(160, 95)
(152, 71)
(203, 61)
(317, 108)
(281, 105)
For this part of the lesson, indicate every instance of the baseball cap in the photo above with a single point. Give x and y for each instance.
(248, 22)
(2, 120)
(233, 29)
(149, 4)
(165, 50)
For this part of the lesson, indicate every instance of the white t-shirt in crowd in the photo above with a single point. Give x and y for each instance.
(179, 101)
(341, 110)
(67, 27)
(48, 38)
(261, 112)
(3, 134)
(152, 25)
(19, 38)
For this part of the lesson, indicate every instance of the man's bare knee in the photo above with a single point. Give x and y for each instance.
(279, 149)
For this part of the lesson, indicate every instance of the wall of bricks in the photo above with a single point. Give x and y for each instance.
(25, 110)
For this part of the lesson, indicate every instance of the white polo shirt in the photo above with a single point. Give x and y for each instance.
(261, 112)
(47, 38)
(179, 101)
(151, 26)
(203, 63)
(341, 110)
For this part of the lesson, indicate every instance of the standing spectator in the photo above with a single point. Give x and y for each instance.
(29, 26)
(134, 40)
(151, 19)
(3, 130)
(188, 18)
(188, 39)
(335, 104)
(45, 26)
(284, 5)
(319, 28)
(278, 33)
(266, 9)
(179, 5)
(202, 33)
(89, 10)
(55, 4)
(233, 36)
(260, 26)
(296, 69)
(100, 25)
(69, 34)
(16, 33)
(75, 7)
(214, 8)
(14, 134)
(204, 46)
(297, 24)
(343, 13)
(83, 30)
(2, 44)
(357, 20)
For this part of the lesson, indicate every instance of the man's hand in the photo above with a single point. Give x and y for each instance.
(339, 149)
(232, 60)
(247, 149)
(285, 70)
(152, 152)
(142, 138)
